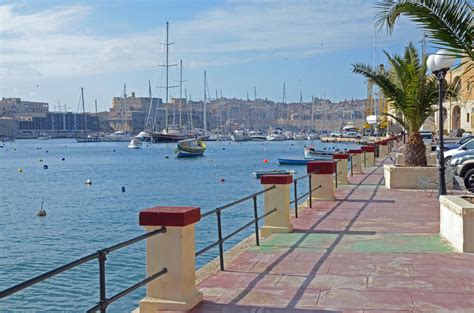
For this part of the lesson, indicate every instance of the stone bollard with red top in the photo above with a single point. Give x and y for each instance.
(356, 163)
(342, 166)
(369, 154)
(175, 251)
(279, 199)
(383, 149)
(322, 180)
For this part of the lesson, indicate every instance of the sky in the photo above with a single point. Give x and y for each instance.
(50, 49)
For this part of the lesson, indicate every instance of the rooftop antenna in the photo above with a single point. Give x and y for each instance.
(248, 95)
(124, 95)
(255, 92)
(216, 95)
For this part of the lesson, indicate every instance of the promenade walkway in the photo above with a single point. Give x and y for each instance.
(371, 250)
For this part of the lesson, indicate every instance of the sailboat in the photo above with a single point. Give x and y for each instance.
(85, 137)
(171, 133)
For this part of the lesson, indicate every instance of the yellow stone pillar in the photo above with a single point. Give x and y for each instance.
(322, 181)
(383, 149)
(342, 166)
(356, 163)
(369, 152)
(175, 251)
(279, 198)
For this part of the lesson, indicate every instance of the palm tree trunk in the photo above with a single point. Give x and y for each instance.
(415, 151)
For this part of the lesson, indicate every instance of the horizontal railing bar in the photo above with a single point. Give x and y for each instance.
(39, 278)
(208, 213)
(133, 240)
(316, 188)
(303, 195)
(130, 289)
(245, 198)
(299, 178)
(292, 201)
(215, 244)
(75, 263)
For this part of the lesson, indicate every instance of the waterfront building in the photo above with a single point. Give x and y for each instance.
(15, 107)
(458, 114)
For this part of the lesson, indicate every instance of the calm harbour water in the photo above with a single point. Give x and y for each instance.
(82, 219)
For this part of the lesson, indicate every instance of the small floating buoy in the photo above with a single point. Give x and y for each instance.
(167, 157)
(45, 167)
(123, 188)
(115, 150)
(88, 182)
(47, 151)
(41, 212)
(41, 160)
(63, 159)
(222, 180)
(20, 170)
(223, 148)
(265, 161)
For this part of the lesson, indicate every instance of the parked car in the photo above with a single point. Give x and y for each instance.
(351, 135)
(457, 144)
(465, 170)
(448, 155)
(428, 138)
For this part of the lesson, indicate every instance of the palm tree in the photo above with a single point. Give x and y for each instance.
(411, 93)
(448, 22)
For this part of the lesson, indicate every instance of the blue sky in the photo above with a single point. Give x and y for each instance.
(49, 49)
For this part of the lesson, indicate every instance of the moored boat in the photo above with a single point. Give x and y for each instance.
(285, 161)
(259, 174)
(240, 135)
(119, 136)
(310, 152)
(135, 144)
(190, 148)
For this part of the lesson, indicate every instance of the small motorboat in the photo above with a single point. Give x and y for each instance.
(42, 211)
(135, 143)
(325, 154)
(284, 161)
(190, 148)
(259, 174)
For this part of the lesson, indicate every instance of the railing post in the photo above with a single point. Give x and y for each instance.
(279, 198)
(369, 155)
(255, 214)
(175, 251)
(352, 166)
(335, 174)
(296, 197)
(322, 179)
(219, 238)
(356, 163)
(341, 168)
(102, 290)
(310, 191)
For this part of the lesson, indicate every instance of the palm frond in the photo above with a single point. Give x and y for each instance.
(448, 22)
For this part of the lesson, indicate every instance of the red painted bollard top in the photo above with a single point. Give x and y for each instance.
(368, 148)
(276, 179)
(341, 156)
(169, 216)
(321, 167)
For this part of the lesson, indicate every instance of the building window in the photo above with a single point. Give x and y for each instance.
(467, 117)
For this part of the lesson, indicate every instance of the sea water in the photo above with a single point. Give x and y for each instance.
(84, 218)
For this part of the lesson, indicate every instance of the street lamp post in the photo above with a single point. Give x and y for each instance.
(439, 64)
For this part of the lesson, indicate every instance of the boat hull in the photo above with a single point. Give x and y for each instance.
(159, 138)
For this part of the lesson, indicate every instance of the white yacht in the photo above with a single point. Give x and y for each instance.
(240, 135)
(276, 136)
(119, 136)
(257, 136)
(144, 136)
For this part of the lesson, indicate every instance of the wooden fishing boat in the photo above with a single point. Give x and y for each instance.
(190, 148)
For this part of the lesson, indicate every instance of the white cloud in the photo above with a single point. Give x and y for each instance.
(48, 43)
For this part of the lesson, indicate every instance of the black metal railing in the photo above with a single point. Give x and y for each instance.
(221, 239)
(297, 198)
(365, 159)
(351, 165)
(101, 255)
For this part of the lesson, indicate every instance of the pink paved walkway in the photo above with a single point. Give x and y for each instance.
(371, 250)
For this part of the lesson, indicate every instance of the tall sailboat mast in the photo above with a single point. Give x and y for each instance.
(167, 74)
(180, 91)
(204, 118)
(84, 112)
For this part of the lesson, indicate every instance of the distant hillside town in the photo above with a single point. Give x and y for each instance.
(28, 119)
